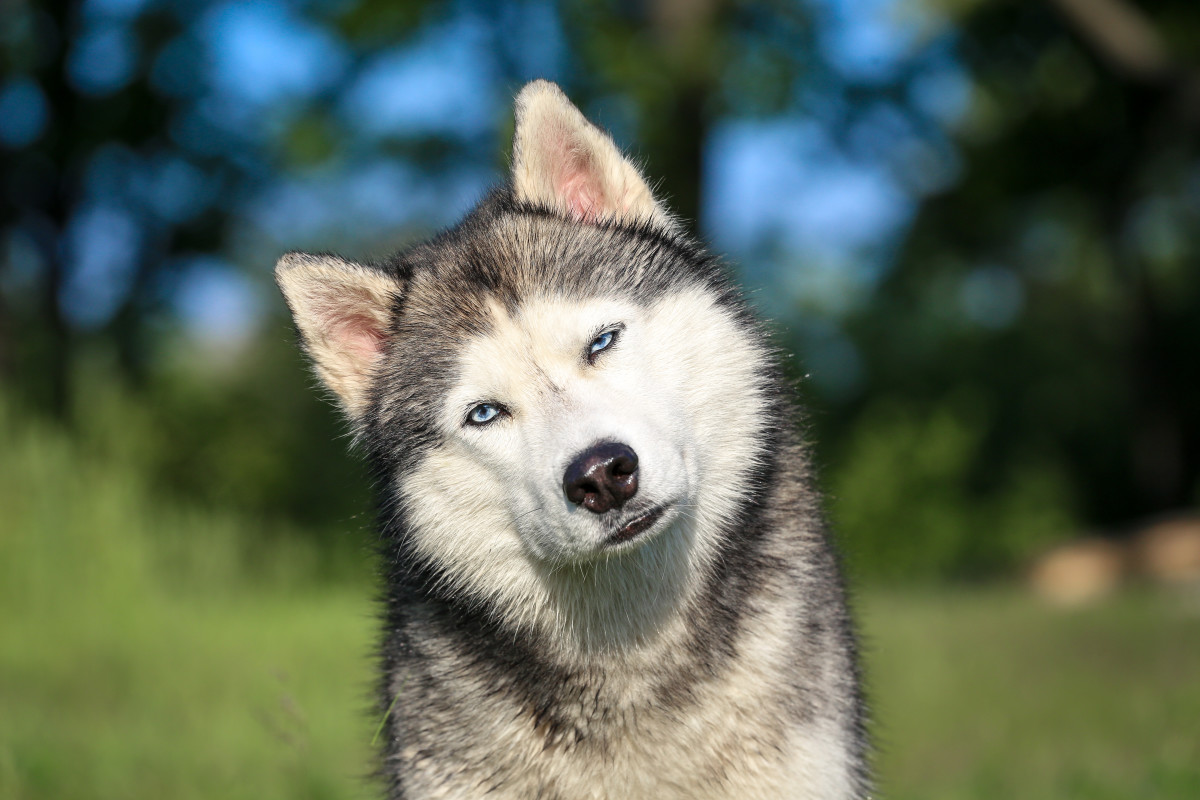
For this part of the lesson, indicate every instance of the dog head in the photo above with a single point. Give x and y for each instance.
(561, 380)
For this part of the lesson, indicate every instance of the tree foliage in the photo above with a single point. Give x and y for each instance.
(1059, 273)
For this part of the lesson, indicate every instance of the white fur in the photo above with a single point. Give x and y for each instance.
(489, 503)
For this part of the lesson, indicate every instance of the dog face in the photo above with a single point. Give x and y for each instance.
(579, 423)
(564, 415)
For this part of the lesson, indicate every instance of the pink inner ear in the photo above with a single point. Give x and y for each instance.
(580, 191)
(576, 182)
(359, 335)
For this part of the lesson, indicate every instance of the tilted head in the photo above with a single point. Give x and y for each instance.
(561, 390)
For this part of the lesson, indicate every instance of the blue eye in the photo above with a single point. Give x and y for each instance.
(601, 343)
(483, 413)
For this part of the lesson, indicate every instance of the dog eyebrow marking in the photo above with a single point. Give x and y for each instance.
(544, 378)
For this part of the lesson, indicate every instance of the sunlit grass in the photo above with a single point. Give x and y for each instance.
(260, 698)
(989, 693)
(149, 651)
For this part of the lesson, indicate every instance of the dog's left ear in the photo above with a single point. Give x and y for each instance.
(564, 162)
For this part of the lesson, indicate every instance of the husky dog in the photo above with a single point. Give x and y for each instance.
(606, 569)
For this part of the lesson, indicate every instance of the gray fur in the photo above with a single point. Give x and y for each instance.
(711, 658)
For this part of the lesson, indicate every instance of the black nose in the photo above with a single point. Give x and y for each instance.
(602, 477)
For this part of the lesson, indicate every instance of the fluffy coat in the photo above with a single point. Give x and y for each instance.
(531, 647)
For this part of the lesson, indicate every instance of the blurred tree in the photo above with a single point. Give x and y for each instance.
(1060, 272)
(77, 90)
(124, 163)
(682, 65)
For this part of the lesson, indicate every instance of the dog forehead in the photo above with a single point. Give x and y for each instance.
(515, 255)
(506, 292)
(536, 341)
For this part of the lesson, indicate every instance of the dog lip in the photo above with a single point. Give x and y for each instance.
(639, 524)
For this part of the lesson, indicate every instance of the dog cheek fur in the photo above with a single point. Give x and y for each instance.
(694, 337)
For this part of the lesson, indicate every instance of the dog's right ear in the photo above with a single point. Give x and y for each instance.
(343, 311)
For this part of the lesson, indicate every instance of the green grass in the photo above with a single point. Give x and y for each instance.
(989, 693)
(259, 698)
(151, 651)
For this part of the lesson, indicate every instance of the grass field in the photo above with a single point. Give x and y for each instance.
(147, 652)
(989, 694)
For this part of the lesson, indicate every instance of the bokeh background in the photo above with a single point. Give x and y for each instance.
(976, 224)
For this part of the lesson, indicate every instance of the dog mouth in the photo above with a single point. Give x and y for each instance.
(636, 526)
